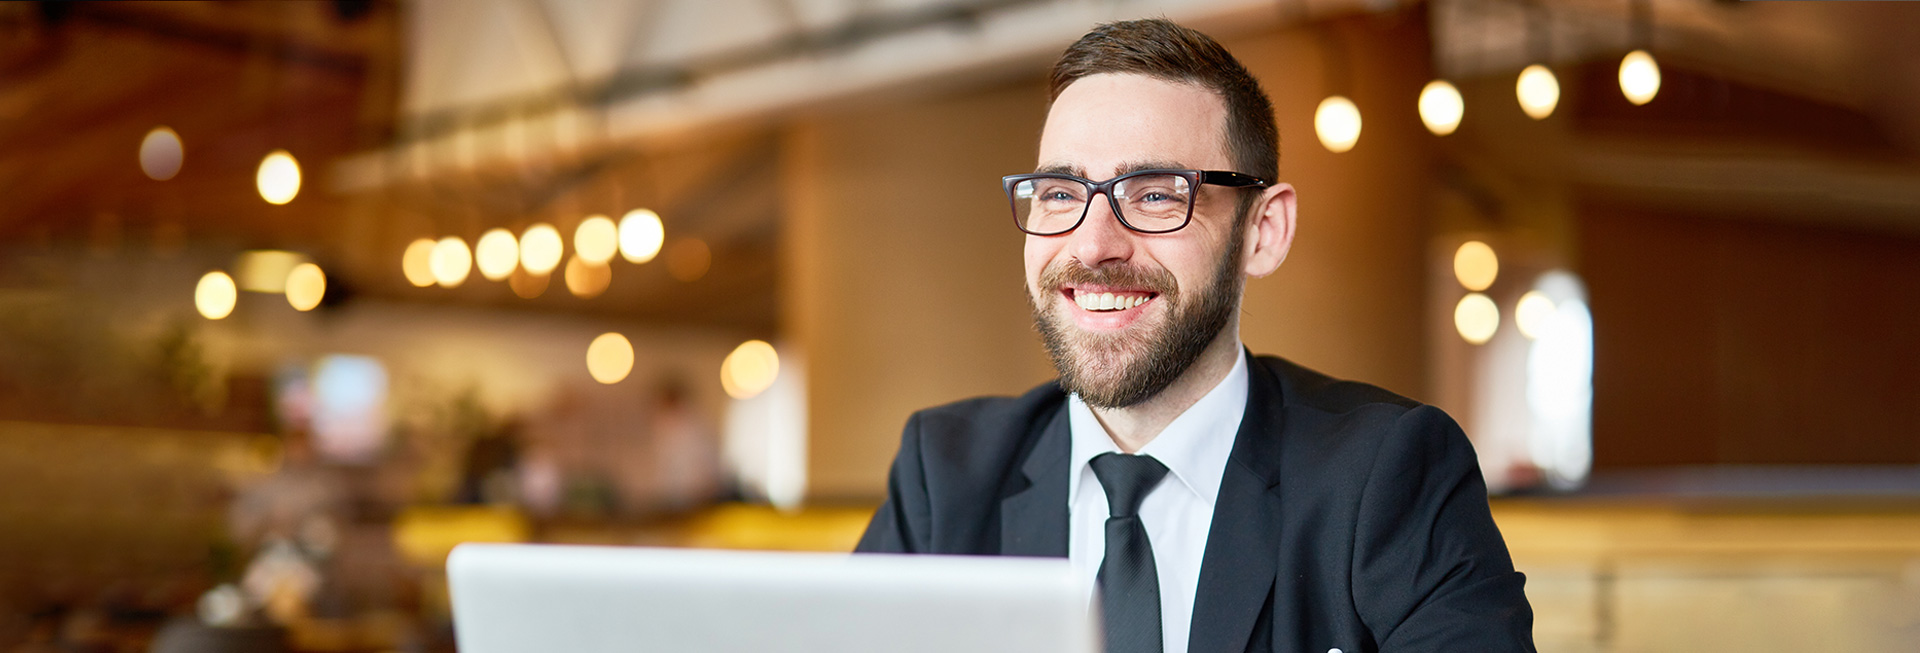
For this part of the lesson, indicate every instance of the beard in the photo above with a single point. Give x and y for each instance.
(1116, 370)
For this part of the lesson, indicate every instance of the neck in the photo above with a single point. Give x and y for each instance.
(1132, 427)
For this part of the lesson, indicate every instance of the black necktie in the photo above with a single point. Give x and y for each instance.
(1129, 583)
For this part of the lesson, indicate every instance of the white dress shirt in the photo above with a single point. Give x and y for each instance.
(1178, 513)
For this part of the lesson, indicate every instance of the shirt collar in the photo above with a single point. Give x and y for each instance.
(1194, 446)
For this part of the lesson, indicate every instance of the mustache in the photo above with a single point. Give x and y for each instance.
(1061, 273)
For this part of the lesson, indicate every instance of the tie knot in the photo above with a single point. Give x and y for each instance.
(1127, 479)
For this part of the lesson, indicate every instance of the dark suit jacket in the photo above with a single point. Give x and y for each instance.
(1348, 517)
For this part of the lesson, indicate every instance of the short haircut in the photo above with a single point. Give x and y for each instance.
(1161, 49)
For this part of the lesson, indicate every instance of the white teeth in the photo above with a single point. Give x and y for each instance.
(1108, 301)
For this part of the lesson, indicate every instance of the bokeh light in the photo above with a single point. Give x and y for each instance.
(1476, 317)
(215, 295)
(265, 270)
(689, 259)
(1532, 314)
(641, 235)
(585, 279)
(1475, 265)
(750, 369)
(1441, 107)
(610, 358)
(306, 285)
(596, 240)
(1639, 77)
(417, 262)
(528, 285)
(497, 253)
(278, 178)
(541, 248)
(451, 261)
(1337, 121)
(161, 153)
(1538, 91)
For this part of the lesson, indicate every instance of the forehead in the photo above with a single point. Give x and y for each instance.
(1110, 121)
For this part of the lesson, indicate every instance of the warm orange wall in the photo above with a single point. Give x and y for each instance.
(902, 280)
(905, 293)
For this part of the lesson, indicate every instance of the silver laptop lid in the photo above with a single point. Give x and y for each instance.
(523, 598)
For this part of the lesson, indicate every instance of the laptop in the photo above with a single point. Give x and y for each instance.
(510, 598)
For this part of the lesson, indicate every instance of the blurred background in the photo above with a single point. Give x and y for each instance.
(294, 296)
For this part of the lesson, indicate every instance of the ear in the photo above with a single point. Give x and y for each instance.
(1270, 233)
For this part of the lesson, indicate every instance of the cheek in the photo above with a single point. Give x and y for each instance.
(1039, 252)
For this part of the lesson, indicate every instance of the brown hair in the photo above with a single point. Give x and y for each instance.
(1161, 49)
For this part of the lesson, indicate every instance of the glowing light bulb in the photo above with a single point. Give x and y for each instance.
(215, 295)
(528, 285)
(1475, 265)
(689, 259)
(451, 261)
(596, 239)
(1441, 107)
(1477, 318)
(585, 279)
(1639, 77)
(750, 369)
(497, 253)
(278, 178)
(417, 262)
(641, 235)
(610, 358)
(161, 154)
(1533, 314)
(1538, 90)
(541, 248)
(1337, 121)
(306, 285)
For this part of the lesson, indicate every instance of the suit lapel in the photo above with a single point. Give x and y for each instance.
(1237, 570)
(1033, 520)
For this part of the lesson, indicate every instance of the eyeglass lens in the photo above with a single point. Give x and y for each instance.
(1147, 202)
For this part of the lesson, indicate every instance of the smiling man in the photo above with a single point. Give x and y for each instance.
(1218, 501)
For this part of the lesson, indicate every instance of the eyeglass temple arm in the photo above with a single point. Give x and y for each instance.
(1226, 178)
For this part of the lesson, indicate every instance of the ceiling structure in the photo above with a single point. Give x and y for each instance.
(442, 117)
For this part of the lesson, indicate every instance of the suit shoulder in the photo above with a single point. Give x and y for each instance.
(1308, 388)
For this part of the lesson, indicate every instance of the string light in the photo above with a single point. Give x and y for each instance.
(1337, 122)
(689, 259)
(749, 370)
(1533, 313)
(497, 253)
(541, 248)
(641, 235)
(306, 285)
(1477, 318)
(610, 358)
(1441, 107)
(451, 261)
(1639, 77)
(585, 279)
(596, 240)
(528, 285)
(161, 154)
(1475, 265)
(278, 177)
(417, 262)
(215, 295)
(1538, 91)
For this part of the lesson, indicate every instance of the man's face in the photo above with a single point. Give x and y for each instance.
(1172, 293)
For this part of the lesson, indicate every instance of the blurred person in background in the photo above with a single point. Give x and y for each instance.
(1218, 501)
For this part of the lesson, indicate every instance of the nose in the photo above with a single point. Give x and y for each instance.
(1100, 238)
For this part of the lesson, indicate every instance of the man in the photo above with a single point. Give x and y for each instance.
(1220, 502)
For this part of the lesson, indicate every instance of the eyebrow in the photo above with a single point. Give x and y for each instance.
(1123, 169)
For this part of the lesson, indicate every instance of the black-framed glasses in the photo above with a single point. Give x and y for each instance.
(1148, 201)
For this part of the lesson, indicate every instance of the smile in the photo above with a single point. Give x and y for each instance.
(1106, 302)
